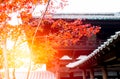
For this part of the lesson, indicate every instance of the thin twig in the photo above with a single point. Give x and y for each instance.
(40, 18)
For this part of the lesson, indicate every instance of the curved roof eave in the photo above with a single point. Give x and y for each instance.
(96, 54)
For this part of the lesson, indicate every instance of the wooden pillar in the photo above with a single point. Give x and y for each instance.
(104, 73)
(118, 75)
(57, 67)
(71, 75)
(57, 75)
(84, 74)
(91, 73)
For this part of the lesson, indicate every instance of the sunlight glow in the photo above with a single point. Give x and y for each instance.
(23, 50)
(19, 52)
(39, 67)
(24, 47)
(9, 44)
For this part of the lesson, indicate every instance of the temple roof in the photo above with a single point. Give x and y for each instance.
(87, 16)
(106, 54)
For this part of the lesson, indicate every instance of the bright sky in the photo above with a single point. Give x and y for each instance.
(92, 6)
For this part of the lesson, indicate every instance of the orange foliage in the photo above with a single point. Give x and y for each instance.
(43, 52)
(41, 47)
(61, 32)
(50, 32)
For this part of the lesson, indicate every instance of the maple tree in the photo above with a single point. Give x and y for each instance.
(48, 30)
(42, 33)
(52, 30)
(22, 10)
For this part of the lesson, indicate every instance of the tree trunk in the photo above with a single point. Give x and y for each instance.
(5, 61)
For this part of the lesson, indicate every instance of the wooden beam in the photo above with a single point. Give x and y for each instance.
(104, 73)
(110, 59)
(91, 73)
(84, 74)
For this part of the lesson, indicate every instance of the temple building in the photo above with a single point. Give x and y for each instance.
(96, 57)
